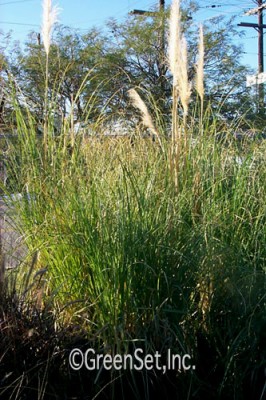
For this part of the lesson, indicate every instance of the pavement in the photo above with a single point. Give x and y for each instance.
(12, 248)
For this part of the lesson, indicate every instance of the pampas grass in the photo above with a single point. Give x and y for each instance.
(174, 51)
(50, 16)
(181, 89)
(178, 57)
(139, 104)
(184, 84)
(200, 73)
(200, 66)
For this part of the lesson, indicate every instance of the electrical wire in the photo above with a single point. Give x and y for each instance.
(17, 23)
(14, 2)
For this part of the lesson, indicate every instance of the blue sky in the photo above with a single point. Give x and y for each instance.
(22, 16)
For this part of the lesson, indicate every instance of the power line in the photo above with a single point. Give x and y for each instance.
(218, 5)
(14, 2)
(17, 23)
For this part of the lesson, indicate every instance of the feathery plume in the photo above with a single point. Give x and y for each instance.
(139, 104)
(174, 51)
(50, 15)
(200, 66)
(178, 57)
(184, 85)
(146, 117)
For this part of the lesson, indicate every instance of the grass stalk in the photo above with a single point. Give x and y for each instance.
(200, 72)
(181, 87)
(50, 14)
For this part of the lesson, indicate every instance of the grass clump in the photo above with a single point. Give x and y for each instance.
(136, 264)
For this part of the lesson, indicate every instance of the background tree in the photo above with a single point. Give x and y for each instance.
(92, 72)
(225, 76)
(72, 57)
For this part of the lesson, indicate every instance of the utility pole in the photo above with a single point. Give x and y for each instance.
(259, 28)
(260, 38)
(161, 66)
(162, 36)
(161, 58)
(149, 13)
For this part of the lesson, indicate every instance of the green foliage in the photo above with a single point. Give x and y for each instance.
(134, 263)
(130, 54)
(120, 249)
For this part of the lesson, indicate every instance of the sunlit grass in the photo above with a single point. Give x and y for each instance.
(159, 244)
(130, 259)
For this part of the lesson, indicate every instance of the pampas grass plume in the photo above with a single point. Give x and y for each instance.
(50, 14)
(174, 41)
(184, 84)
(200, 66)
(178, 57)
(141, 106)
